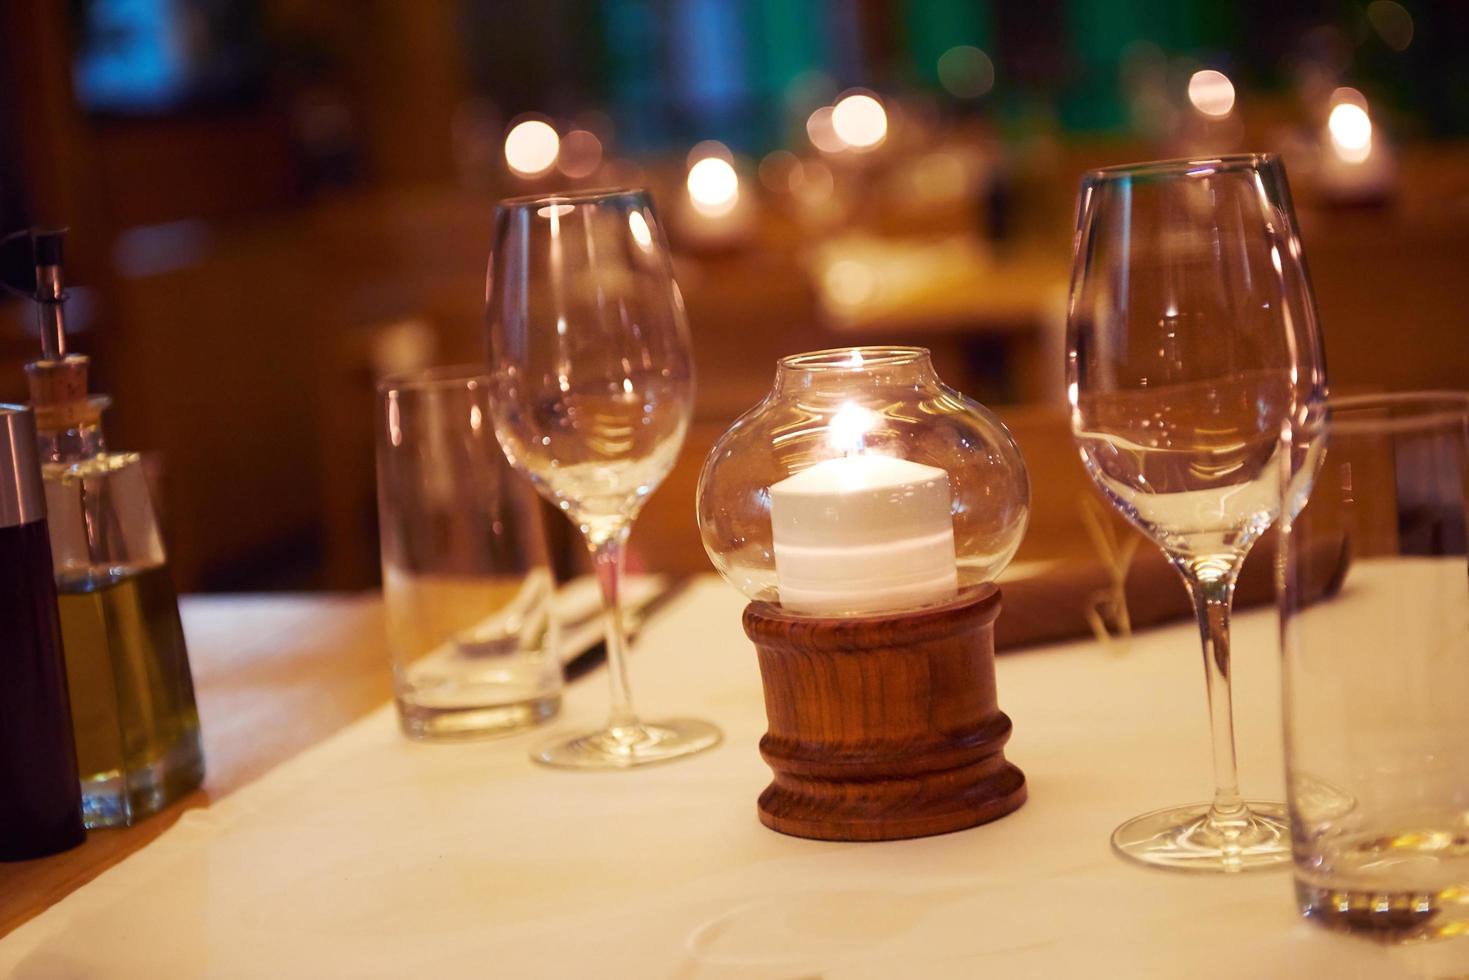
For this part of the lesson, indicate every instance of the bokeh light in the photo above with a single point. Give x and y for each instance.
(966, 72)
(849, 282)
(1211, 92)
(1351, 131)
(708, 148)
(580, 154)
(714, 187)
(859, 121)
(812, 181)
(822, 133)
(531, 148)
(777, 169)
(1392, 22)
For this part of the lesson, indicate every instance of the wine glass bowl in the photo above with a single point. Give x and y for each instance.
(1193, 464)
(593, 391)
(1192, 349)
(594, 375)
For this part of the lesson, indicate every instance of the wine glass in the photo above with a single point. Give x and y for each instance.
(1192, 348)
(593, 389)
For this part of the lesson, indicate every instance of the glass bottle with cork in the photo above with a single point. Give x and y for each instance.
(132, 694)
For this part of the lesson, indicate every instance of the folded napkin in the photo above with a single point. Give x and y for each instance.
(1052, 604)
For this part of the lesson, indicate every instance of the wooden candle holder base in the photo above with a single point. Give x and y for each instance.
(883, 727)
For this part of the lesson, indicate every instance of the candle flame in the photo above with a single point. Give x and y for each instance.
(849, 428)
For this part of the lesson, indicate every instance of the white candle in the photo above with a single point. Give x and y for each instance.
(862, 534)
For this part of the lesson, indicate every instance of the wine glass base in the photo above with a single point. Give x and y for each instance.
(643, 744)
(1181, 838)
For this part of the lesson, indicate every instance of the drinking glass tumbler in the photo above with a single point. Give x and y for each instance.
(466, 582)
(1376, 678)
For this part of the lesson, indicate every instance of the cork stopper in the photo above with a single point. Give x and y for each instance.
(59, 394)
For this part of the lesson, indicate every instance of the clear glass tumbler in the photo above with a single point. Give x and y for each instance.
(465, 577)
(1376, 675)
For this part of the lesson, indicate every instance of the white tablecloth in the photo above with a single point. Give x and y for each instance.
(370, 856)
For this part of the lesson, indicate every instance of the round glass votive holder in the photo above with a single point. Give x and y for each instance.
(862, 484)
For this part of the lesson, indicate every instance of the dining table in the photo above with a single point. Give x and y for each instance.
(326, 844)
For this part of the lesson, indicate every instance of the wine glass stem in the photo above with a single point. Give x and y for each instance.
(607, 554)
(1212, 590)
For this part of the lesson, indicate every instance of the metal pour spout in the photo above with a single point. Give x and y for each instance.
(50, 292)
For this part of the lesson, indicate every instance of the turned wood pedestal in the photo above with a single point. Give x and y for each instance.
(883, 727)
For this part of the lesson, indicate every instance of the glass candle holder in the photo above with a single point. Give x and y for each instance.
(862, 484)
(864, 507)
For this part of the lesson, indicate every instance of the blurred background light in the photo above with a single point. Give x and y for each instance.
(714, 187)
(777, 170)
(859, 121)
(1351, 131)
(822, 133)
(966, 72)
(1211, 92)
(133, 56)
(708, 148)
(813, 180)
(1392, 22)
(531, 148)
(579, 154)
(850, 282)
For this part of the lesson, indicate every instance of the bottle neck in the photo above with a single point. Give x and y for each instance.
(71, 445)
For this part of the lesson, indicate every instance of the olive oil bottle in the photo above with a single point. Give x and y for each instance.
(132, 696)
(134, 718)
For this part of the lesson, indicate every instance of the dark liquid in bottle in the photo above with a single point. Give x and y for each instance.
(40, 795)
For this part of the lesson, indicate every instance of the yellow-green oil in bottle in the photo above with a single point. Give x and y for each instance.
(132, 696)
